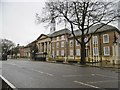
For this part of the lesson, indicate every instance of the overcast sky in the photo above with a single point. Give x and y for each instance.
(17, 18)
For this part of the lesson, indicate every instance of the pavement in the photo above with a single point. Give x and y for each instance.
(36, 74)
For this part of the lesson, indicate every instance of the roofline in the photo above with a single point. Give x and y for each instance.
(41, 35)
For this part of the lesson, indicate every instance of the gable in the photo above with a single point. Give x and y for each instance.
(42, 36)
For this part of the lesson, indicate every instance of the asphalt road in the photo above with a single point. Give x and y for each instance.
(35, 74)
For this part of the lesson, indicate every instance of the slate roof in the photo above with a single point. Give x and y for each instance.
(78, 32)
(93, 28)
(60, 32)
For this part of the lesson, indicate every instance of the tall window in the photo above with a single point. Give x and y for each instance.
(57, 45)
(53, 53)
(62, 44)
(107, 51)
(71, 43)
(86, 39)
(52, 44)
(105, 38)
(95, 51)
(78, 52)
(95, 40)
(53, 39)
(62, 52)
(77, 44)
(57, 38)
(62, 37)
(57, 52)
(71, 52)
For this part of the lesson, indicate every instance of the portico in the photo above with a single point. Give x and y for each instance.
(44, 44)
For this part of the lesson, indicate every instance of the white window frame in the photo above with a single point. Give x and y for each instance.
(57, 52)
(53, 45)
(77, 52)
(53, 53)
(62, 44)
(63, 37)
(71, 41)
(95, 48)
(107, 54)
(57, 44)
(53, 39)
(62, 53)
(71, 52)
(57, 38)
(95, 39)
(77, 44)
(85, 40)
(104, 38)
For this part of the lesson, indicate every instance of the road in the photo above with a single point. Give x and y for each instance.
(35, 74)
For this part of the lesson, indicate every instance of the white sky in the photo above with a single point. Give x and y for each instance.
(17, 20)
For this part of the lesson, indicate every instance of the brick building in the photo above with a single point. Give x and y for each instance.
(103, 46)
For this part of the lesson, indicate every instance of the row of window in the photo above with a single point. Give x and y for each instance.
(106, 51)
(95, 40)
(105, 39)
(62, 38)
(95, 52)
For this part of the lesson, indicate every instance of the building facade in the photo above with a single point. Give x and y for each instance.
(59, 44)
(103, 46)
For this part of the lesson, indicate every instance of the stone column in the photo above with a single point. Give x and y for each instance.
(90, 54)
(48, 47)
(39, 47)
(44, 46)
(116, 54)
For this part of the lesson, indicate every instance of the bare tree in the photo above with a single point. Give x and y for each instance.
(6, 45)
(81, 15)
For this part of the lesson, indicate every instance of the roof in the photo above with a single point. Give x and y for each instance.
(104, 28)
(60, 32)
(93, 28)
(41, 36)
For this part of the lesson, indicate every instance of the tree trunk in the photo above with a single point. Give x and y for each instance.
(82, 61)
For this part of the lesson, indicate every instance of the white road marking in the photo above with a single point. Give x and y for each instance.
(86, 84)
(104, 81)
(78, 75)
(42, 72)
(37, 71)
(32, 69)
(49, 74)
(10, 84)
(106, 76)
